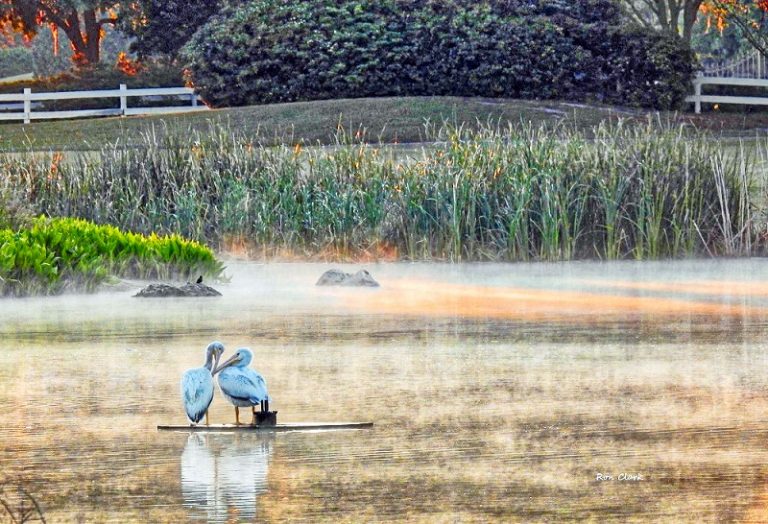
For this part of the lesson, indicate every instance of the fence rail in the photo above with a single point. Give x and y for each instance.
(750, 65)
(700, 81)
(749, 70)
(123, 93)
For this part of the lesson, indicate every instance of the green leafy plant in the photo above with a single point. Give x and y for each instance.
(65, 253)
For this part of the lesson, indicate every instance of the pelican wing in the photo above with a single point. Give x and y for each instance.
(196, 393)
(243, 384)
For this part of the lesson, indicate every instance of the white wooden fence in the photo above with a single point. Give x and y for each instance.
(749, 70)
(698, 98)
(750, 65)
(28, 99)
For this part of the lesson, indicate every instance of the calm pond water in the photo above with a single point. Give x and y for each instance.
(525, 392)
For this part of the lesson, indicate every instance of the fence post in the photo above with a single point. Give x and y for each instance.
(27, 105)
(193, 96)
(123, 99)
(697, 94)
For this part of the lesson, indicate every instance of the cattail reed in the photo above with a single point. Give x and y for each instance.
(514, 193)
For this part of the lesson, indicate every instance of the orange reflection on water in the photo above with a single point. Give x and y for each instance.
(756, 289)
(516, 303)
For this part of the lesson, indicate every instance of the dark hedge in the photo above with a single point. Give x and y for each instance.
(279, 51)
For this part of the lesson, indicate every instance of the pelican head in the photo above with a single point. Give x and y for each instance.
(240, 359)
(213, 354)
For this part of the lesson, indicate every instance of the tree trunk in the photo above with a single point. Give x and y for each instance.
(674, 15)
(665, 15)
(86, 44)
(92, 37)
(690, 13)
(662, 15)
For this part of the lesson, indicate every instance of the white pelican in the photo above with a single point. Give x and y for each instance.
(197, 385)
(241, 385)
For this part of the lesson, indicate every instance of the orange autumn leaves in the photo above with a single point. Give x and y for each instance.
(717, 12)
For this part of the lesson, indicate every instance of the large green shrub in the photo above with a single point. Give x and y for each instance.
(653, 70)
(165, 24)
(15, 61)
(266, 51)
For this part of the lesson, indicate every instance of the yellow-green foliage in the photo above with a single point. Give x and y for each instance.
(60, 253)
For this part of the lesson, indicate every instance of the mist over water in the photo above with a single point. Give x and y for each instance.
(499, 392)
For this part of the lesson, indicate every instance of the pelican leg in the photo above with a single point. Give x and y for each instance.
(237, 415)
(266, 405)
(206, 418)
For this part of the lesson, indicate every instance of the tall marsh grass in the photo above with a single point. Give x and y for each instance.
(517, 193)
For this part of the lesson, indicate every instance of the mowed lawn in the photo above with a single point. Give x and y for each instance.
(387, 120)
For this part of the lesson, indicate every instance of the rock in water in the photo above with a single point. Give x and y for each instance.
(361, 278)
(336, 277)
(187, 290)
(332, 277)
(198, 289)
(160, 290)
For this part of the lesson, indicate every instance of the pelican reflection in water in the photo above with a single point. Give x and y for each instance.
(242, 386)
(222, 474)
(197, 385)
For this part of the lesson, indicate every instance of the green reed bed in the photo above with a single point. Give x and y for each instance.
(53, 255)
(517, 193)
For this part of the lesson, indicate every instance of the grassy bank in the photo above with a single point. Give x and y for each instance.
(387, 120)
(509, 193)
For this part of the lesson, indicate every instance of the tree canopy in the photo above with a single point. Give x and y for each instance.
(749, 16)
(679, 17)
(162, 27)
(81, 20)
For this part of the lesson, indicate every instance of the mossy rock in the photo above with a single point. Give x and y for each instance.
(336, 277)
(187, 290)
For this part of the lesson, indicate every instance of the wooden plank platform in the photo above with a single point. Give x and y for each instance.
(299, 426)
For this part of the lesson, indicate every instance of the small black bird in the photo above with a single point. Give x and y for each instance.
(199, 280)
